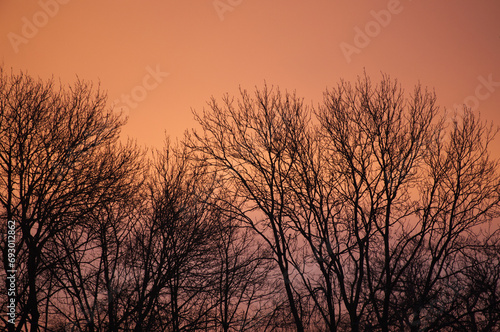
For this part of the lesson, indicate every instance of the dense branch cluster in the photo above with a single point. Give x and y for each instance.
(369, 212)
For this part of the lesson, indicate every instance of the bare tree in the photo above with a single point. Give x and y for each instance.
(408, 195)
(172, 248)
(244, 276)
(51, 172)
(247, 141)
(458, 196)
(376, 139)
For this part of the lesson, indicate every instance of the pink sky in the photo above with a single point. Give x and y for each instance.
(211, 47)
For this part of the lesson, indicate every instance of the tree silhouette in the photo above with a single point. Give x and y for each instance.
(247, 141)
(57, 151)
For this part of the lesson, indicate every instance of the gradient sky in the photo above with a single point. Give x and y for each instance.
(211, 47)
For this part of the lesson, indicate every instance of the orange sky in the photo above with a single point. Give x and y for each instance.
(209, 47)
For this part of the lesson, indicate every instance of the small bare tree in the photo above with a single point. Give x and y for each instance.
(173, 245)
(243, 286)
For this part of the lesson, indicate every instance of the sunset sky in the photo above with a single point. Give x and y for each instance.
(171, 56)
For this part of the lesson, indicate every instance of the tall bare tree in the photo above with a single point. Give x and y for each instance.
(376, 141)
(246, 139)
(54, 171)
